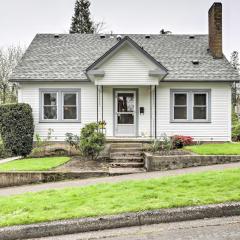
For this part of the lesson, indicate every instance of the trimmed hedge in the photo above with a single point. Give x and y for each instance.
(16, 128)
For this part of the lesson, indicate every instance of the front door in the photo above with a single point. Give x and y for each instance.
(125, 113)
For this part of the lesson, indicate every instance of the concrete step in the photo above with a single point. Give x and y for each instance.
(140, 160)
(123, 171)
(125, 154)
(127, 164)
(126, 158)
(135, 149)
(126, 145)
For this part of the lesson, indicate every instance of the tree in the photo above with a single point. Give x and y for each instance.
(9, 58)
(81, 21)
(235, 63)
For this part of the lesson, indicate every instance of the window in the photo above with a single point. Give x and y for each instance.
(180, 105)
(200, 106)
(50, 106)
(60, 105)
(190, 105)
(69, 106)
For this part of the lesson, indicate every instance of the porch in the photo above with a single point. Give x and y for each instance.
(130, 112)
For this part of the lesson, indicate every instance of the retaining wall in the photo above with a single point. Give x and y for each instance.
(161, 163)
(8, 179)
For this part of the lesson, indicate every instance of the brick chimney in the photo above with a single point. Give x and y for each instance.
(215, 30)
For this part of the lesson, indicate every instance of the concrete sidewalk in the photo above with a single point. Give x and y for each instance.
(115, 179)
(9, 159)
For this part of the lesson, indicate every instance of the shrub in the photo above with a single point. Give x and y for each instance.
(235, 127)
(181, 141)
(162, 144)
(16, 126)
(91, 141)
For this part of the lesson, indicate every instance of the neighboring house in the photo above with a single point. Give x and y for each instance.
(141, 85)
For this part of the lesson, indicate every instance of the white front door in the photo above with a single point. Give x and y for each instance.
(125, 113)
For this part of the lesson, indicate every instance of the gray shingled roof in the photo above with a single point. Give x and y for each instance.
(67, 57)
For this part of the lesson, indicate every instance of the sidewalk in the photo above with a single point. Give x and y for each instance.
(115, 179)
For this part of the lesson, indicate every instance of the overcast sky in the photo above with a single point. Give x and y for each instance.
(20, 20)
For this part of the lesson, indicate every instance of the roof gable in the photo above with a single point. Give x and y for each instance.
(123, 42)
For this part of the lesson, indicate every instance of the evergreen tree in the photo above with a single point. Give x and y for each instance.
(235, 88)
(81, 21)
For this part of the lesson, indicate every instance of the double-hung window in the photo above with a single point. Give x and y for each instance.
(190, 105)
(50, 102)
(180, 106)
(60, 105)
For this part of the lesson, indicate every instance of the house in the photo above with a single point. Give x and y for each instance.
(140, 85)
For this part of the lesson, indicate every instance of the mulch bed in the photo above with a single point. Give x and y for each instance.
(84, 165)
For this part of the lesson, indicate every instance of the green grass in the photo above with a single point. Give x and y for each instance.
(216, 149)
(33, 164)
(129, 196)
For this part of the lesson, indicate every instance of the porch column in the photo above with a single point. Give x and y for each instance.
(155, 110)
(97, 103)
(102, 107)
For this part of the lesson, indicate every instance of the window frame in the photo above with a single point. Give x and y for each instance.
(77, 112)
(193, 105)
(60, 104)
(175, 93)
(43, 105)
(190, 105)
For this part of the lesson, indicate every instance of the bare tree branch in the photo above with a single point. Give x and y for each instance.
(9, 58)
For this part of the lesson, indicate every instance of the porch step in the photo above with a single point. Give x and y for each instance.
(125, 154)
(113, 150)
(127, 159)
(126, 145)
(127, 164)
(123, 171)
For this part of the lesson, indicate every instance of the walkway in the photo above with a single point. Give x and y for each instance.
(115, 179)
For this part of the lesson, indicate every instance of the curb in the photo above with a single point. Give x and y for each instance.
(118, 221)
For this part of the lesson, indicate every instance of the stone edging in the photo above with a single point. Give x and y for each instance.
(65, 227)
(8, 179)
(163, 163)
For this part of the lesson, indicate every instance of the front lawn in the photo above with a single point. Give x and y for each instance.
(33, 164)
(130, 196)
(216, 149)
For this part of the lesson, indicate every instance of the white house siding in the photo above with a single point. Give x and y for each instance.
(127, 67)
(220, 127)
(218, 130)
(29, 93)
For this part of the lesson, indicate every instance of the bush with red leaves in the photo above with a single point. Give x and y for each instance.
(181, 141)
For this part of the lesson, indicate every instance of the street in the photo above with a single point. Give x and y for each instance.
(208, 229)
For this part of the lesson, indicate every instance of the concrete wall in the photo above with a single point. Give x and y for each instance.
(8, 179)
(162, 163)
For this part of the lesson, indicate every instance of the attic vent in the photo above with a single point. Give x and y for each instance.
(102, 36)
(119, 37)
(195, 62)
(56, 36)
(147, 36)
(191, 37)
